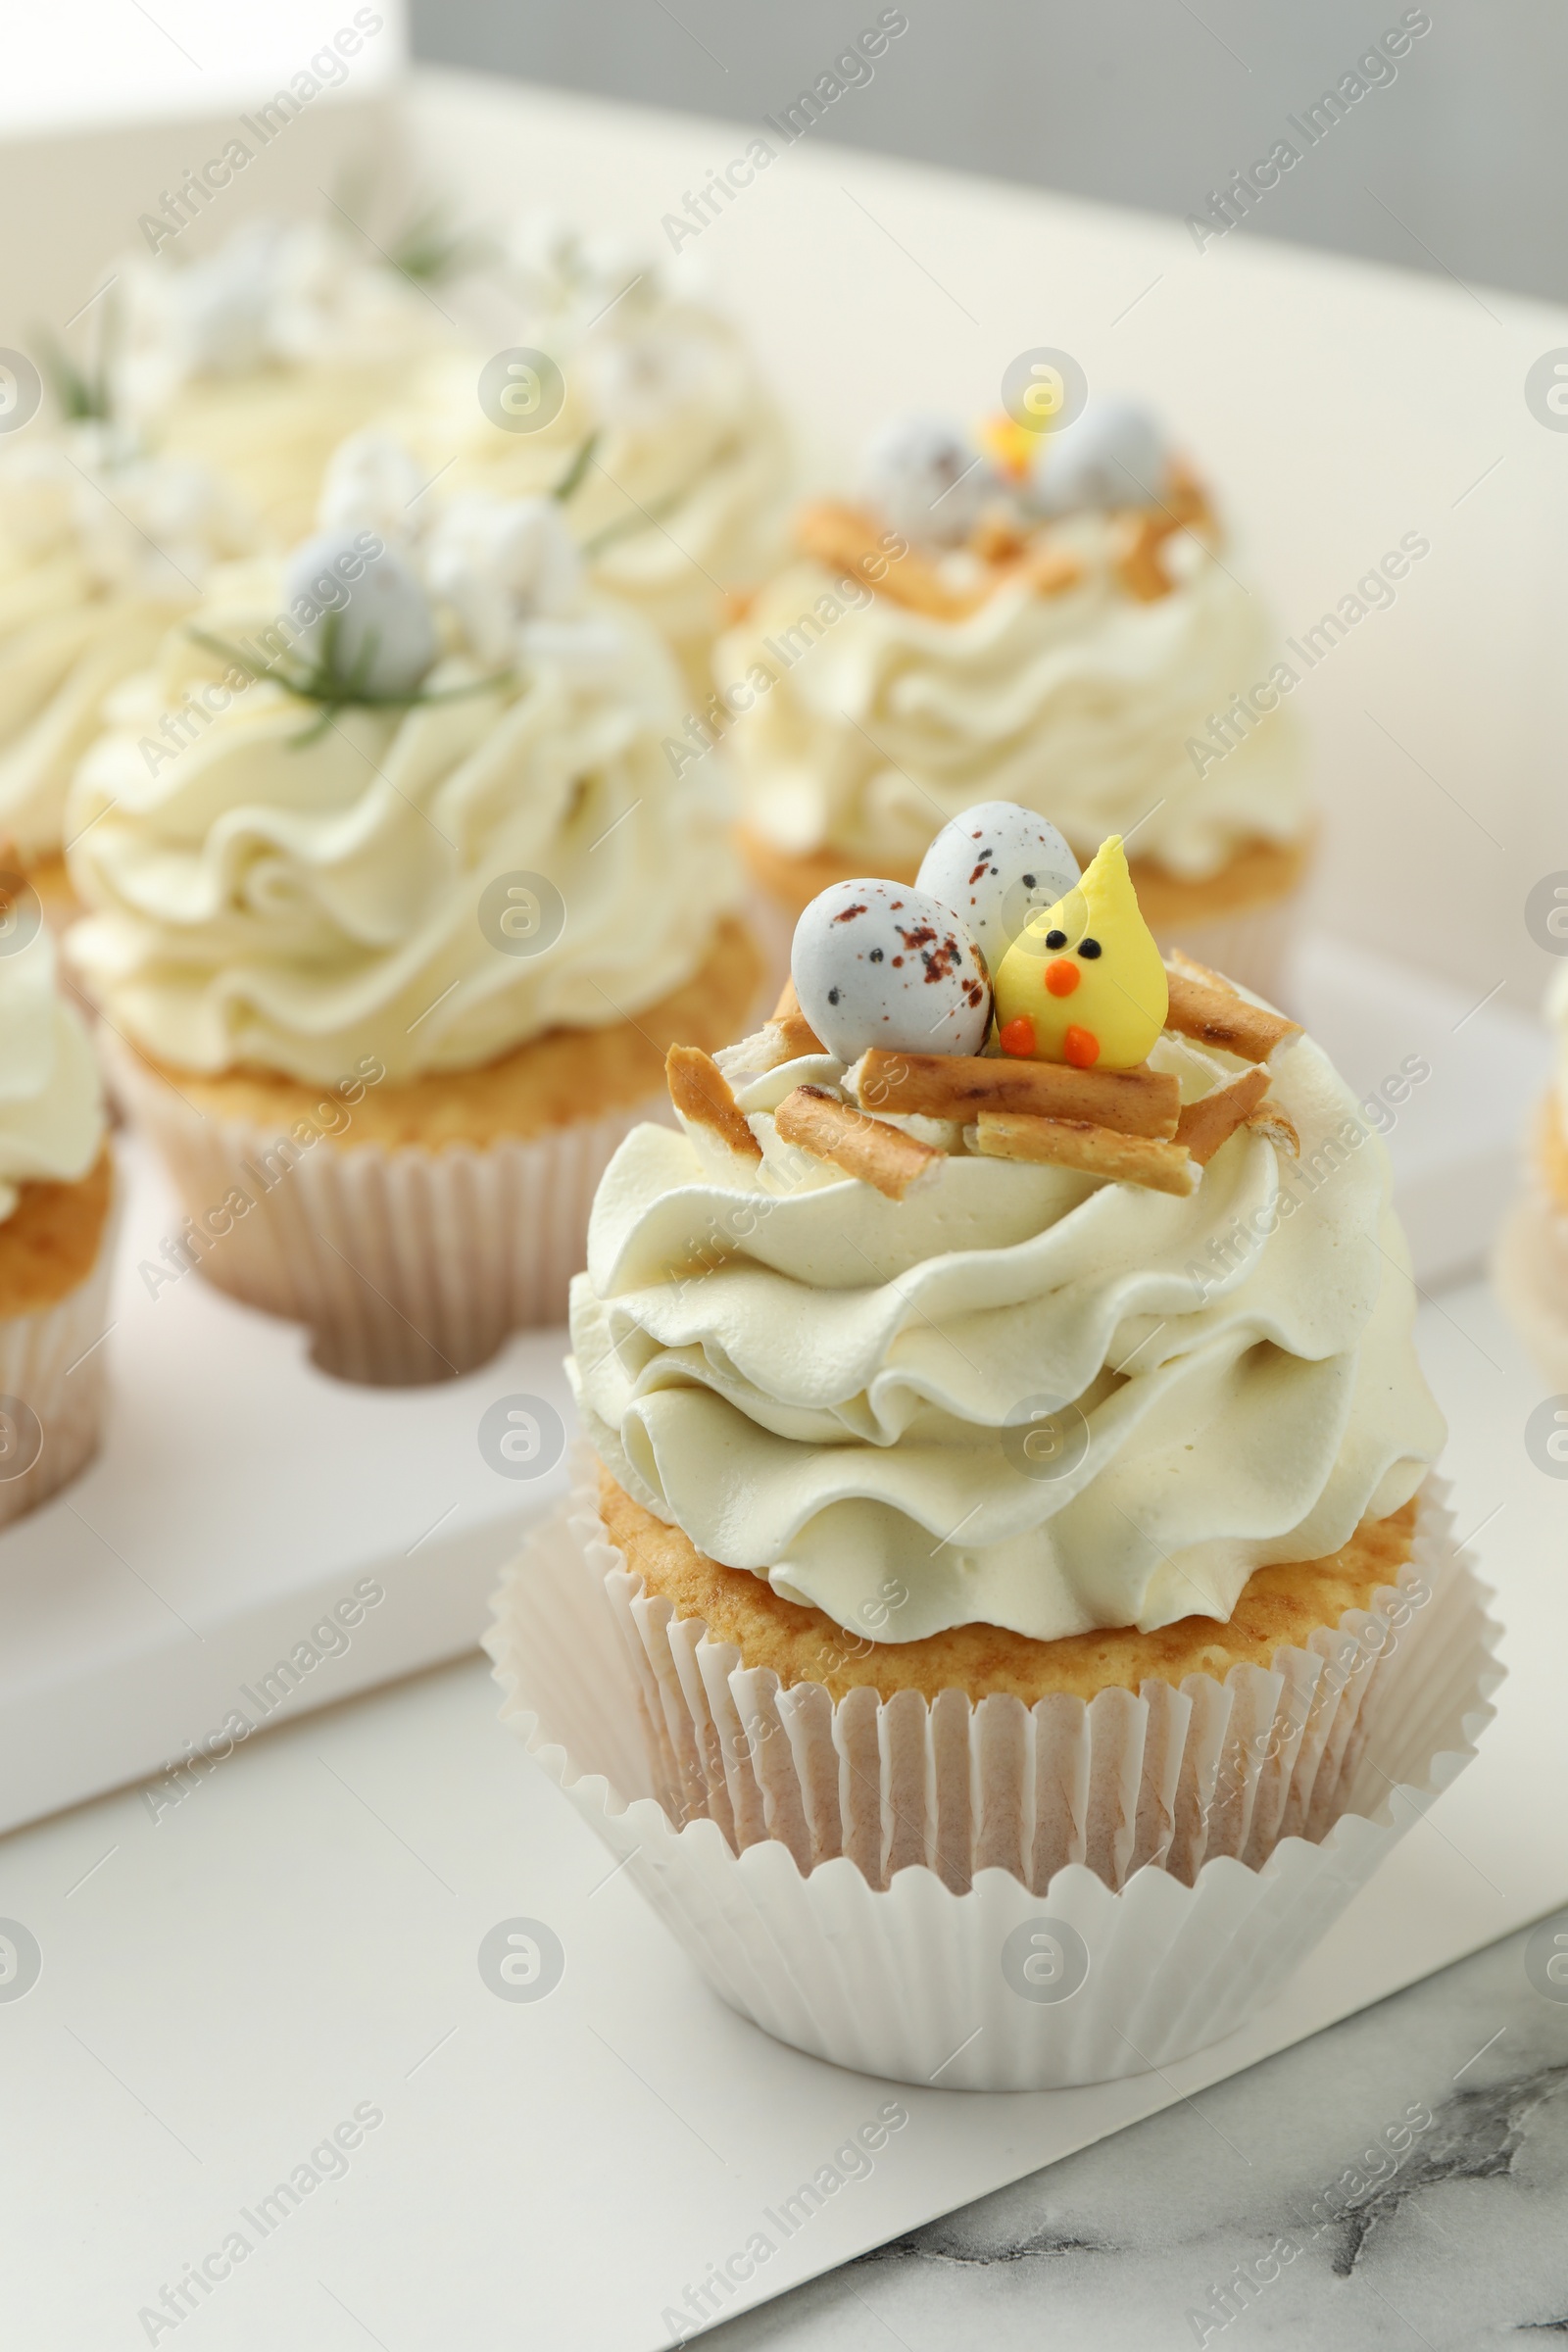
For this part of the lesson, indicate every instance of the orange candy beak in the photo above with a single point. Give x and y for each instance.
(1062, 978)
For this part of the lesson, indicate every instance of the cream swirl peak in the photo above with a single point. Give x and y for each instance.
(1021, 1395)
(100, 550)
(838, 1392)
(684, 492)
(258, 359)
(275, 294)
(1035, 642)
(51, 1101)
(302, 882)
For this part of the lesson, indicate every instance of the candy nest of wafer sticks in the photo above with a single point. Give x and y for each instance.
(1124, 1126)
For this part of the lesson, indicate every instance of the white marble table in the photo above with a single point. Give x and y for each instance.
(1141, 2241)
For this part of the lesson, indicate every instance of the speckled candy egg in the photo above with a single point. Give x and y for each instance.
(383, 636)
(996, 867)
(1114, 455)
(926, 477)
(877, 964)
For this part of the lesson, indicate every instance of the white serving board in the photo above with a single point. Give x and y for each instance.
(222, 1988)
(240, 1496)
(243, 1494)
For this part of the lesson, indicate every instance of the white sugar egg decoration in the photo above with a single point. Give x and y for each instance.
(924, 475)
(1113, 455)
(996, 865)
(878, 964)
(383, 636)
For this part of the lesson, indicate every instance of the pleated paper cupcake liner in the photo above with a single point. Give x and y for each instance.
(992, 1897)
(53, 1367)
(1530, 1269)
(407, 1265)
(1165, 1776)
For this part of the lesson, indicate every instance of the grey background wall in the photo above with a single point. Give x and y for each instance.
(1452, 164)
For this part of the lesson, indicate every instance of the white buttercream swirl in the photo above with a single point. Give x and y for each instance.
(51, 1101)
(822, 1386)
(293, 905)
(1078, 705)
(260, 358)
(275, 294)
(683, 497)
(99, 552)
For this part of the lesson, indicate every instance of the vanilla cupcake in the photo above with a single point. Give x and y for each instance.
(1531, 1265)
(57, 1205)
(679, 498)
(1011, 1481)
(1053, 619)
(390, 947)
(259, 358)
(100, 551)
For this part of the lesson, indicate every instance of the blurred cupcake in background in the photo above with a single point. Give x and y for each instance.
(390, 949)
(57, 1214)
(100, 551)
(1049, 619)
(621, 377)
(1530, 1261)
(260, 358)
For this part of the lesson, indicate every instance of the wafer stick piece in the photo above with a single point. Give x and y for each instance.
(1093, 1150)
(701, 1093)
(795, 1031)
(861, 1147)
(1268, 1119)
(1190, 969)
(1136, 541)
(1203, 1126)
(1051, 570)
(1187, 501)
(957, 1086)
(846, 540)
(1217, 1016)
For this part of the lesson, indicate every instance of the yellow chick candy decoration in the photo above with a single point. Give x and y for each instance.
(1084, 982)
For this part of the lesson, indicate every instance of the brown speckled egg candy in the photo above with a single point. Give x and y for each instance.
(878, 964)
(997, 865)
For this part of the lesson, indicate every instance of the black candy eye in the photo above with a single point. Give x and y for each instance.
(1057, 938)
(832, 995)
(877, 955)
(1090, 948)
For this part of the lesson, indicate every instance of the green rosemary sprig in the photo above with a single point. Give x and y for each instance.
(645, 519)
(337, 689)
(573, 480)
(84, 394)
(431, 250)
(427, 246)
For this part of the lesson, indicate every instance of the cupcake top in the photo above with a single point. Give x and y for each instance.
(681, 492)
(260, 358)
(935, 1335)
(1048, 618)
(402, 797)
(275, 297)
(51, 1101)
(100, 549)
